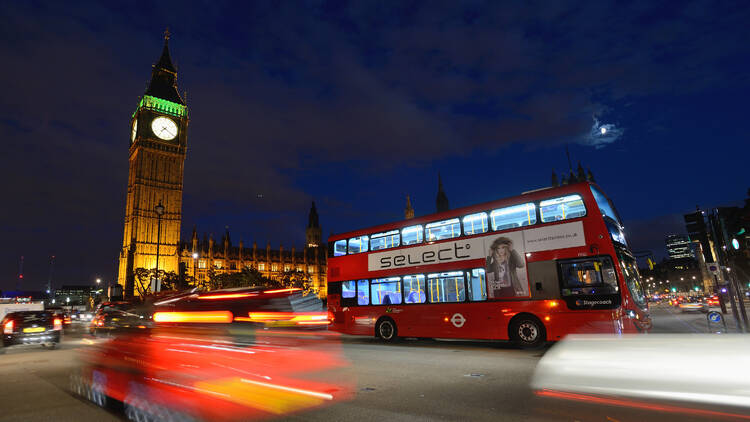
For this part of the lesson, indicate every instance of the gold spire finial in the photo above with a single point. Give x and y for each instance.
(166, 34)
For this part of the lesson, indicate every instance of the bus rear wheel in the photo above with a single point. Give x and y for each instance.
(527, 332)
(386, 330)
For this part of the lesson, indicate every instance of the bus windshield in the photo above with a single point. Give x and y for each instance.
(632, 278)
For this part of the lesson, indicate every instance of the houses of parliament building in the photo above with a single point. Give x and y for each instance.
(153, 205)
(198, 257)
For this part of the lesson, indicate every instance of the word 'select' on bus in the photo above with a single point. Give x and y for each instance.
(531, 268)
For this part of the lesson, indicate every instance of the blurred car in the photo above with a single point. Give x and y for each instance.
(223, 355)
(677, 300)
(64, 314)
(693, 305)
(85, 316)
(32, 327)
(113, 316)
(713, 300)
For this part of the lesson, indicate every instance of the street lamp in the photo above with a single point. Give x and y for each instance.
(159, 212)
(195, 266)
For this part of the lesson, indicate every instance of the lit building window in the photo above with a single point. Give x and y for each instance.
(261, 267)
(299, 268)
(274, 267)
(218, 264)
(287, 268)
(310, 269)
(202, 263)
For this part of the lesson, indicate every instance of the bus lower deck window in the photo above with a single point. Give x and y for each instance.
(386, 291)
(414, 289)
(446, 287)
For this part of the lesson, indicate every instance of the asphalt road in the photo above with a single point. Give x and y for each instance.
(414, 380)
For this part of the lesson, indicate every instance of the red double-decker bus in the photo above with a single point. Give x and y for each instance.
(531, 268)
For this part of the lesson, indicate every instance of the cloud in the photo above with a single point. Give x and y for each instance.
(602, 134)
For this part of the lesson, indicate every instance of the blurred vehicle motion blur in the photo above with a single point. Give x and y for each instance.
(655, 373)
(32, 327)
(694, 304)
(111, 316)
(223, 355)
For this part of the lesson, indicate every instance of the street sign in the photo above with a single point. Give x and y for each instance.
(715, 318)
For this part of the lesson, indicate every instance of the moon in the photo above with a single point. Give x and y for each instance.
(603, 130)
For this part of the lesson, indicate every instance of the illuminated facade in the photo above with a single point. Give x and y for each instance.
(158, 143)
(199, 257)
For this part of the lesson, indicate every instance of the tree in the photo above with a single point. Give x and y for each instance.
(297, 279)
(169, 280)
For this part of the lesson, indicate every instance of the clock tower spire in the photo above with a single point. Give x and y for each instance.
(156, 157)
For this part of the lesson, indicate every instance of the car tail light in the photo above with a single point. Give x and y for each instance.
(57, 323)
(227, 296)
(197, 317)
(297, 318)
(293, 289)
(8, 327)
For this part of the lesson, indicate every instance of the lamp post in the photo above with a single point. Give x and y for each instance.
(159, 212)
(195, 266)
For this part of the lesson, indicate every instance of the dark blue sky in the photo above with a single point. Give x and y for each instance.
(355, 105)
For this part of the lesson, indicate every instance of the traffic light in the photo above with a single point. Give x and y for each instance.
(696, 228)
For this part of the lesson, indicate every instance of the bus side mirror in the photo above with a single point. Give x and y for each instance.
(538, 286)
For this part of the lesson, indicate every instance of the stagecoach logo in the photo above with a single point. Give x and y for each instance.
(583, 302)
(458, 320)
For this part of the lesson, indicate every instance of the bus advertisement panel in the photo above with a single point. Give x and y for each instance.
(530, 268)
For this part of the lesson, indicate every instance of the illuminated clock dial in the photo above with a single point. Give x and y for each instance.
(164, 128)
(134, 131)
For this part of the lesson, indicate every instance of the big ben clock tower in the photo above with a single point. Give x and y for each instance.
(153, 208)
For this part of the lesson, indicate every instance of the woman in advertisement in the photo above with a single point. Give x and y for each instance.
(501, 267)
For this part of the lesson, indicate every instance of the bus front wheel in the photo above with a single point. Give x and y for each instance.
(526, 331)
(386, 330)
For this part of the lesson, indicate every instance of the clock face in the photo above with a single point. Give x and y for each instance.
(134, 131)
(164, 128)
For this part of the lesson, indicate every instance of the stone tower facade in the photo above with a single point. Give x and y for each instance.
(158, 143)
(408, 210)
(313, 232)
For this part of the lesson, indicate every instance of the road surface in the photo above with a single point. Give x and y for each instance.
(414, 380)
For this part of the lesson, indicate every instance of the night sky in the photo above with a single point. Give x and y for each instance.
(355, 105)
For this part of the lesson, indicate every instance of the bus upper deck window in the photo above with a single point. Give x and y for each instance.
(475, 223)
(385, 240)
(512, 217)
(411, 235)
(358, 244)
(339, 247)
(562, 208)
(445, 229)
